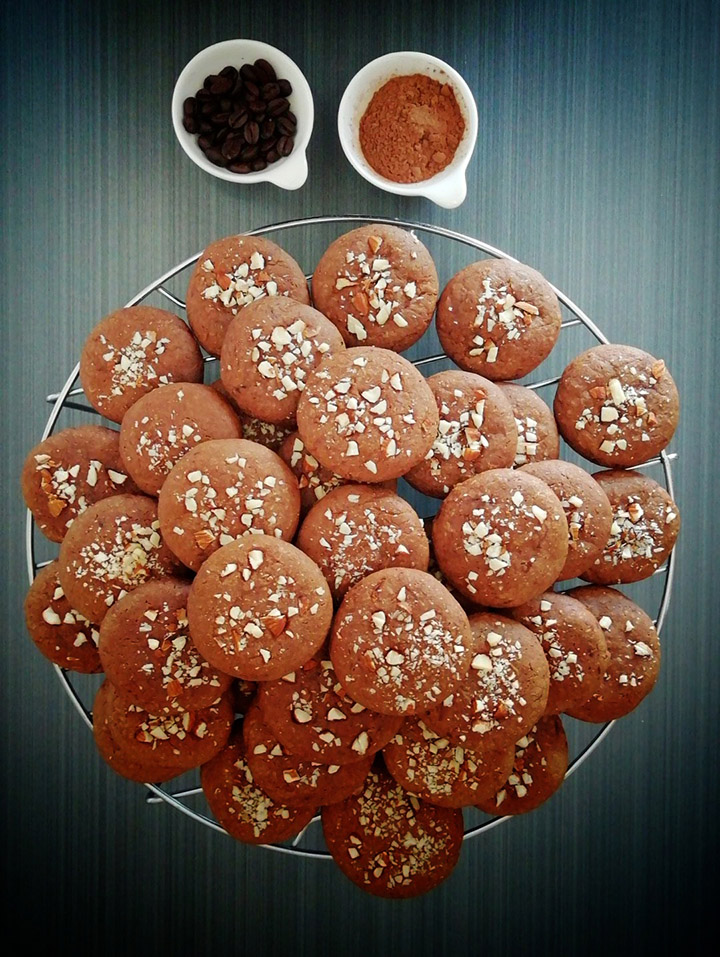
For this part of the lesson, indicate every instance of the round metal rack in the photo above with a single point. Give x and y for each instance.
(188, 799)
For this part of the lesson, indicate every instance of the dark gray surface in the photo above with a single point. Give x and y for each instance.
(598, 163)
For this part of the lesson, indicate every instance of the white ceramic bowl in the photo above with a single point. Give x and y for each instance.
(447, 188)
(291, 171)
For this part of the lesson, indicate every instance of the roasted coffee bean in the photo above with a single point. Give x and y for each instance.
(205, 142)
(272, 156)
(267, 145)
(189, 106)
(221, 85)
(220, 119)
(251, 131)
(270, 91)
(285, 87)
(209, 80)
(203, 95)
(249, 153)
(248, 72)
(229, 71)
(258, 164)
(206, 126)
(267, 128)
(238, 119)
(285, 125)
(216, 157)
(239, 167)
(258, 107)
(238, 88)
(191, 124)
(265, 70)
(278, 106)
(232, 146)
(226, 105)
(252, 90)
(285, 146)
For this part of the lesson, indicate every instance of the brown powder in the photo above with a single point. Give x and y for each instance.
(411, 128)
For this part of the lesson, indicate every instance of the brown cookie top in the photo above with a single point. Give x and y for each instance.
(170, 738)
(616, 405)
(379, 285)
(537, 434)
(367, 414)
(574, 646)
(498, 318)
(165, 424)
(389, 842)
(587, 511)
(69, 471)
(134, 767)
(400, 642)
(538, 770)
(61, 633)
(114, 546)
(358, 529)
(148, 654)
(240, 805)
(313, 717)
(269, 350)
(634, 648)
(501, 537)
(233, 272)
(221, 490)
(270, 434)
(132, 351)
(645, 526)
(289, 779)
(449, 775)
(506, 692)
(258, 608)
(476, 432)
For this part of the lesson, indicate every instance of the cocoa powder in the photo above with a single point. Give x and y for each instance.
(411, 128)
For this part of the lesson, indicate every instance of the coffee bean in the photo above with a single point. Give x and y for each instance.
(248, 72)
(285, 146)
(251, 131)
(242, 117)
(278, 106)
(238, 119)
(265, 70)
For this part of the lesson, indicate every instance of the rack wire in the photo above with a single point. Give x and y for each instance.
(70, 397)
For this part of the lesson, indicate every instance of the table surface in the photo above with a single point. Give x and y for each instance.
(598, 162)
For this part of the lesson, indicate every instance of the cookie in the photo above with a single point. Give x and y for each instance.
(241, 807)
(165, 424)
(358, 529)
(147, 652)
(645, 526)
(498, 318)
(69, 471)
(233, 272)
(400, 642)
(616, 405)
(259, 608)
(390, 843)
(220, 491)
(60, 632)
(442, 773)
(313, 718)
(574, 646)
(270, 434)
(587, 511)
(170, 739)
(114, 546)
(476, 432)
(269, 350)
(537, 434)
(539, 768)
(379, 285)
(132, 351)
(367, 414)
(142, 769)
(634, 648)
(501, 537)
(292, 781)
(506, 692)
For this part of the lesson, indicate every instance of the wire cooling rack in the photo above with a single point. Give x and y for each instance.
(186, 796)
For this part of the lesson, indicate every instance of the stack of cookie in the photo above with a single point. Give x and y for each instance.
(237, 563)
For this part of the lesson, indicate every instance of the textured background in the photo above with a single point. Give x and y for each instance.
(598, 162)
